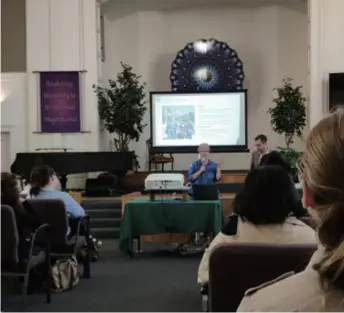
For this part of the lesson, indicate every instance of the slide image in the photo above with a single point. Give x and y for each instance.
(178, 122)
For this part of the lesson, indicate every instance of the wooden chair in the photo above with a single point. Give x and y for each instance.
(158, 158)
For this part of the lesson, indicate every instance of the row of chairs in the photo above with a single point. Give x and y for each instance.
(236, 267)
(50, 237)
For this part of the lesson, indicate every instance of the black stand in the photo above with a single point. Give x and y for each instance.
(120, 186)
(162, 192)
(63, 181)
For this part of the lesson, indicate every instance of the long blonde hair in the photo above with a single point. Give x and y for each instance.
(322, 170)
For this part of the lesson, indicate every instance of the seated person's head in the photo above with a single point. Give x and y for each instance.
(321, 174)
(9, 189)
(265, 198)
(274, 158)
(43, 177)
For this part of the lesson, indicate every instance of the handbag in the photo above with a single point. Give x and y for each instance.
(65, 274)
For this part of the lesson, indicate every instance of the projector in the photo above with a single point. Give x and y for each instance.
(164, 182)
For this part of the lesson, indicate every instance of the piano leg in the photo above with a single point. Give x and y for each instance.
(120, 178)
(63, 181)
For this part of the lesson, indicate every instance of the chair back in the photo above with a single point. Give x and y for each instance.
(53, 213)
(236, 267)
(9, 237)
(149, 147)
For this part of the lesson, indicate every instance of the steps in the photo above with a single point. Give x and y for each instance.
(105, 216)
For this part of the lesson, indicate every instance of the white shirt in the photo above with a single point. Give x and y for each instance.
(25, 193)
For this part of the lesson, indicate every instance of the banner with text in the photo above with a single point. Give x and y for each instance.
(60, 102)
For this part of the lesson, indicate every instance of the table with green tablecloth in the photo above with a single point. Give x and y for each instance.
(145, 217)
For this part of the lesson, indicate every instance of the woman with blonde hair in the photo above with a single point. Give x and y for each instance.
(320, 287)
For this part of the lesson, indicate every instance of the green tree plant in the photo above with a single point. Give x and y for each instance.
(121, 107)
(288, 118)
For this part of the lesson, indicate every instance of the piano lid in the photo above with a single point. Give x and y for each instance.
(65, 163)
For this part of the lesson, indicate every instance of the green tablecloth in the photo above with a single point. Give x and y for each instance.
(145, 217)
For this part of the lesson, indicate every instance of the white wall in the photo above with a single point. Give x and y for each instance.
(5, 152)
(62, 36)
(13, 37)
(14, 111)
(271, 41)
(326, 51)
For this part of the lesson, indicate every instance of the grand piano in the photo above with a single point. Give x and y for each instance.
(66, 163)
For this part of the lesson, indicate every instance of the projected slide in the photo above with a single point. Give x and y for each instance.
(180, 120)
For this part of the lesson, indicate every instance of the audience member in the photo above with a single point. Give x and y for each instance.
(276, 158)
(45, 185)
(320, 287)
(26, 220)
(261, 215)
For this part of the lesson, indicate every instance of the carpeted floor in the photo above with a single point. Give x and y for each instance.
(156, 280)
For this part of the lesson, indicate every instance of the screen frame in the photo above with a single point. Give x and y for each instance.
(193, 149)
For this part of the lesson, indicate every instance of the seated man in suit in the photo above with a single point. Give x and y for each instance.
(204, 171)
(261, 143)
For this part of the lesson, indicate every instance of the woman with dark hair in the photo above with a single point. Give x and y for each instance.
(45, 185)
(9, 190)
(276, 158)
(261, 215)
(320, 287)
(26, 220)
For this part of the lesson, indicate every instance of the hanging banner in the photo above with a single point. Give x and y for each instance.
(60, 102)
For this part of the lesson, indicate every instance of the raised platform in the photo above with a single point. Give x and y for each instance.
(135, 181)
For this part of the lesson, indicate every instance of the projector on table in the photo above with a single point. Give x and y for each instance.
(164, 182)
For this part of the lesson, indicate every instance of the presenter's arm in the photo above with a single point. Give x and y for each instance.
(218, 173)
(193, 174)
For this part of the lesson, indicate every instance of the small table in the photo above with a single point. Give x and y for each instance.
(145, 217)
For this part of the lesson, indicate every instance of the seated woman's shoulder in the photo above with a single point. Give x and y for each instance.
(301, 292)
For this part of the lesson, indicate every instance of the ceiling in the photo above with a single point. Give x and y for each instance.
(116, 8)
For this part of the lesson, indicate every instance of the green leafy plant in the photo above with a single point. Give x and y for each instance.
(121, 107)
(292, 156)
(288, 118)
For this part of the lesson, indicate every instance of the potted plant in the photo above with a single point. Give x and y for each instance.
(288, 118)
(121, 107)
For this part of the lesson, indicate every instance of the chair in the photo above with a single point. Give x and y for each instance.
(236, 267)
(53, 212)
(158, 158)
(11, 264)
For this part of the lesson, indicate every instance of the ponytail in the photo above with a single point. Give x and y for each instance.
(331, 235)
(39, 178)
